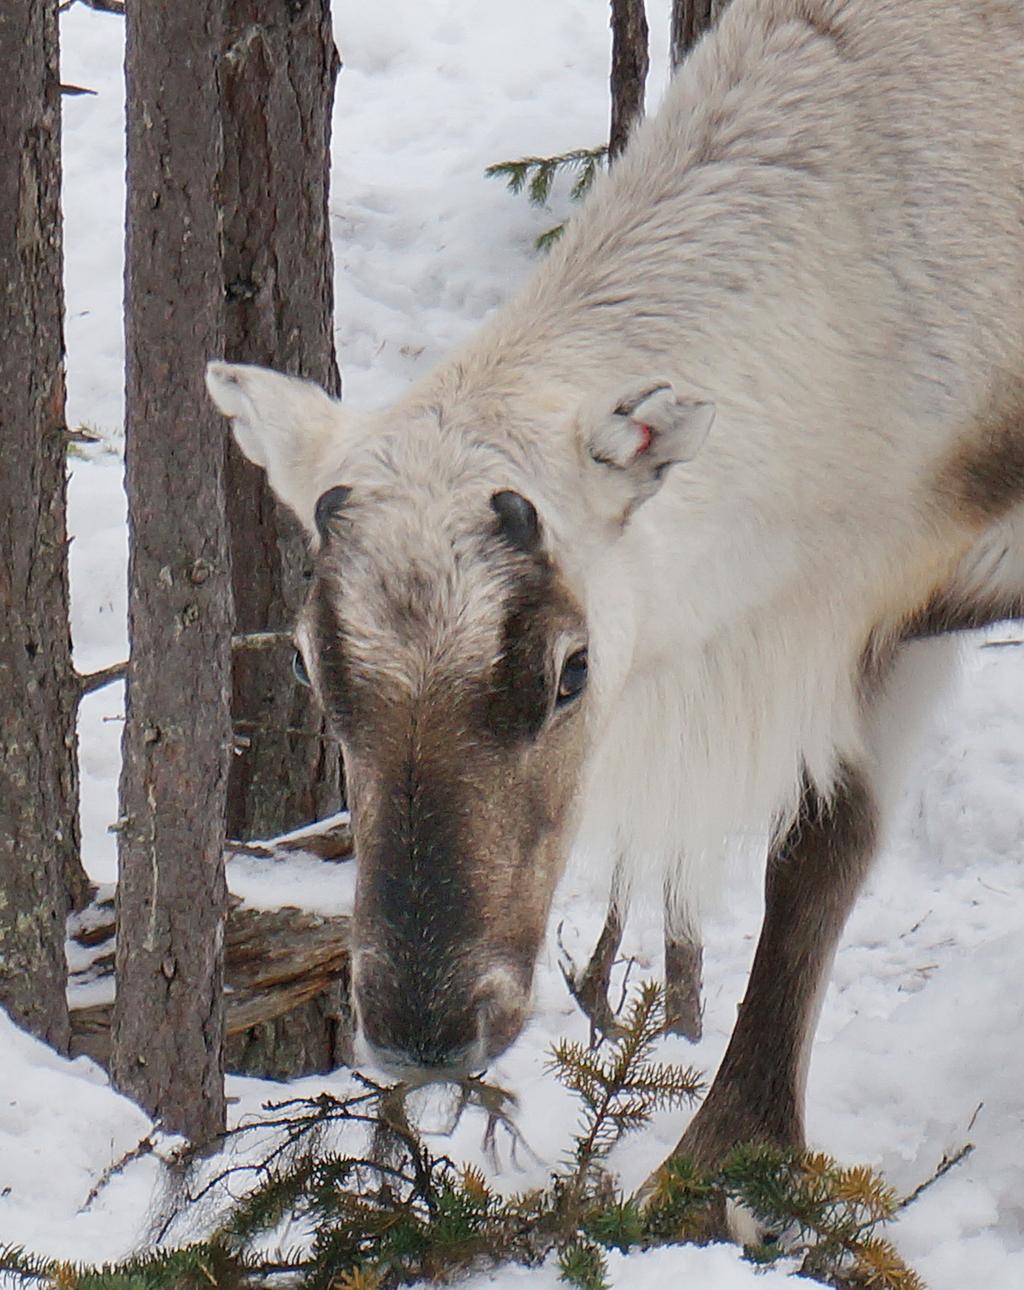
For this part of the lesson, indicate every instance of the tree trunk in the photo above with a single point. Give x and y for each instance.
(38, 772)
(169, 1013)
(690, 20)
(277, 88)
(629, 70)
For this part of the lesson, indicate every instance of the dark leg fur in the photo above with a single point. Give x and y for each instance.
(684, 963)
(591, 990)
(684, 958)
(812, 882)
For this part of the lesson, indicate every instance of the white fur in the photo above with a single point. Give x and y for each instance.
(281, 423)
(820, 233)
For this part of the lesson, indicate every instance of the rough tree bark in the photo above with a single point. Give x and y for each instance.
(690, 19)
(38, 773)
(629, 70)
(169, 1013)
(277, 87)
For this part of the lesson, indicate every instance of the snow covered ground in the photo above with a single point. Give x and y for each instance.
(921, 1040)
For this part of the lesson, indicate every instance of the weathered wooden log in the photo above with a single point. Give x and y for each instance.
(286, 976)
(331, 843)
(287, 990)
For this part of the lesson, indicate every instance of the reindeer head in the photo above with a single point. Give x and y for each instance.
(446, 636)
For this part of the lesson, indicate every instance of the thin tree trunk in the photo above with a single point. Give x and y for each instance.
(38, 773)
(690, 19)
(629, 70)
(169, 1012)
(277, 86)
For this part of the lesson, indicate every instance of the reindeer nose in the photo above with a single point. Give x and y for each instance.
(446, 1032)
(406, 1063)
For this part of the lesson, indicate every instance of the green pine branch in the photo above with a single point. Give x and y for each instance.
(536, 176)
(399, 1214)
(19, 1267)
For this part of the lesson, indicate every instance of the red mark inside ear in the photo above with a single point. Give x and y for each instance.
(646, 436)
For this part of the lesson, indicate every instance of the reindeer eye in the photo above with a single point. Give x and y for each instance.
(299, 669)
(573, 679)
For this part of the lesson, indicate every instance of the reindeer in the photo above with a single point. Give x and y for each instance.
(647, 559)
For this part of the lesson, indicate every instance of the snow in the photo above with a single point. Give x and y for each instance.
(60, 1125)
(305, 882)
(921, 1040)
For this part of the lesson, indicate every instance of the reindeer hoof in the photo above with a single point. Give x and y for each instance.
(725, 1219)
(723, 1123)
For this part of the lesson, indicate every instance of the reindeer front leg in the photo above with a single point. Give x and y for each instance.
(812, 881)
(684, 958)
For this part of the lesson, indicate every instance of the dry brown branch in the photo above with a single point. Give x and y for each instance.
(333, 842)
(591, 986)
(91, 681)
(947, 1163)
(143, 1147)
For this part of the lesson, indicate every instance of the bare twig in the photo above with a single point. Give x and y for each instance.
(624, 992)
(91, 681)
(944, 1166)
(244, 741)
(143, 1147)
(261, 640)
(80, 434)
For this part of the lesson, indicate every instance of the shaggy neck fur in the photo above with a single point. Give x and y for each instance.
(815, 234)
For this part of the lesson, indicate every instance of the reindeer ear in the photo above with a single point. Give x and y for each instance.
(644, 434)
(281, 423)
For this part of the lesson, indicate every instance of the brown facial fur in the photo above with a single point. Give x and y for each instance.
(462, 787)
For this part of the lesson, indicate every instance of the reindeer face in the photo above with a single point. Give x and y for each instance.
(451, 660)
(448, 645)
